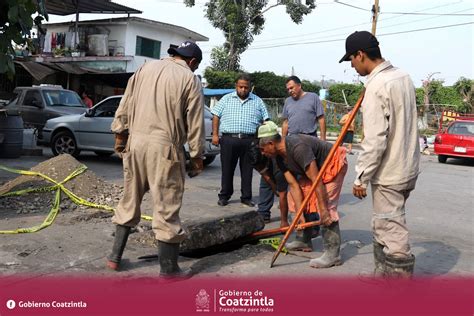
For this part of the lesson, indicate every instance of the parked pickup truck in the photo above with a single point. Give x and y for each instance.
(37, 104)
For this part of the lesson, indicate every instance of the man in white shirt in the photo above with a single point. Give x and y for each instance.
(390, 156)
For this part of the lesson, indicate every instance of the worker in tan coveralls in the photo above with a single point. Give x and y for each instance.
(161, 109)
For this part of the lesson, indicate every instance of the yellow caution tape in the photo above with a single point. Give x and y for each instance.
(59, 187)
(274, 242)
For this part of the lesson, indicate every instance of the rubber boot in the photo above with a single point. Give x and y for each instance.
(168, 257)
(302, 243)
(332, 247)
(399, 267)
(121, 237)
(379, 259)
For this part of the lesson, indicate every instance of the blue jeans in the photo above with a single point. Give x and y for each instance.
(265, 199)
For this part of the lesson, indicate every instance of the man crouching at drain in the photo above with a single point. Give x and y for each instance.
(300, 158)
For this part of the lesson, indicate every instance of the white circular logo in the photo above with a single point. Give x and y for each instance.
(11, 304)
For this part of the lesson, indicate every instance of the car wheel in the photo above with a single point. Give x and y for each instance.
(64, 143)
(209, 160)
(103, 153)
(442, 158)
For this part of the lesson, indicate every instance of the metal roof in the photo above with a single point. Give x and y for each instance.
(40, 71)
(67, 7)
(216, 92)
(156, 24)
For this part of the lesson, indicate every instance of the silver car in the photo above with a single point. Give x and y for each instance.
(91, 131)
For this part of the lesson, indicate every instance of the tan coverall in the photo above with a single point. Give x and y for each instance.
(162, 108)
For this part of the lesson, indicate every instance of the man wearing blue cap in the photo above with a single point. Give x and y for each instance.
(390, 157)
(161, 109)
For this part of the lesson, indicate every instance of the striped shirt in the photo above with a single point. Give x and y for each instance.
(240, 116)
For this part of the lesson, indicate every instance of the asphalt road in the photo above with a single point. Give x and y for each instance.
(439, 216)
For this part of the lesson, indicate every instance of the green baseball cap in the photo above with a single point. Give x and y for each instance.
(268, 129)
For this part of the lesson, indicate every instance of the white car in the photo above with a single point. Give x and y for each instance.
(91, 131)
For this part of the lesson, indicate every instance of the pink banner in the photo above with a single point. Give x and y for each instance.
(74, 295)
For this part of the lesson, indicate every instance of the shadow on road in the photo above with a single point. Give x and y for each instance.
(436, 258)
(460, 161)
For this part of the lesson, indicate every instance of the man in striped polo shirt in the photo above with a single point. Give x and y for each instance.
(237, 117)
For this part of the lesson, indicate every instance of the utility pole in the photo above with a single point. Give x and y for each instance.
(375, 14)
(322, 81)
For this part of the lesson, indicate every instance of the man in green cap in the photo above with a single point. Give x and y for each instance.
(300, 157)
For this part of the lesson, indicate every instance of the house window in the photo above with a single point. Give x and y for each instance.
(148, 47)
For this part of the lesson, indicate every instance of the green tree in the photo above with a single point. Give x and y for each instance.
(351, 91)
(310, 86)
(266, 84)
(269, 85)
(241, 20)
(420, 94)
(220, 79)
(465, 87)
(446, 95)
(16, 22)
(219, 58)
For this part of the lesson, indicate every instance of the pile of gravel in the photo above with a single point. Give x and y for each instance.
(87, 186)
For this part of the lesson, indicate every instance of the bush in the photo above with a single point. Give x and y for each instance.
(352, 92)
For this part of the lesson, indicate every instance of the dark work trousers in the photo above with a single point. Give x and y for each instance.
(235, 149)
(265, 198)
(266, 195)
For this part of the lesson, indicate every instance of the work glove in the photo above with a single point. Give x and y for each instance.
(120, 143)
(195, 166)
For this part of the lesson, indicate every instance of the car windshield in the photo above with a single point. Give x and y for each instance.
(462, 128)
(13, 100)
(62, 98)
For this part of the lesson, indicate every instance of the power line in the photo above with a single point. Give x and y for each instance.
(350, 5)
(344, 34)
(422, 10)
(428, 28)
(354, 25)
(403, 13)
(438, 14)
(418, 20)
(343, 39)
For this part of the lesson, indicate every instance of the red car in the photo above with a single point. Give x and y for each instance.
(457, 140)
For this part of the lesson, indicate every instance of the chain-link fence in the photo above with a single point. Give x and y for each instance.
(436, 114)
(333, 113)
(427, 124)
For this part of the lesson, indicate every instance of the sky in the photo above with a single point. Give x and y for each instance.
(313, 48)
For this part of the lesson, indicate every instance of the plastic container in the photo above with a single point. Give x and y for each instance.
(11, 135)
(98, 44)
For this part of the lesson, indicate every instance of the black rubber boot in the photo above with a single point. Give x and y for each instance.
(168, 256)
(379, 259)
(399, 267)
(332, 247)
(121, 237)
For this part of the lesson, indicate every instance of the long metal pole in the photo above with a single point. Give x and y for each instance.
(320, 176)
